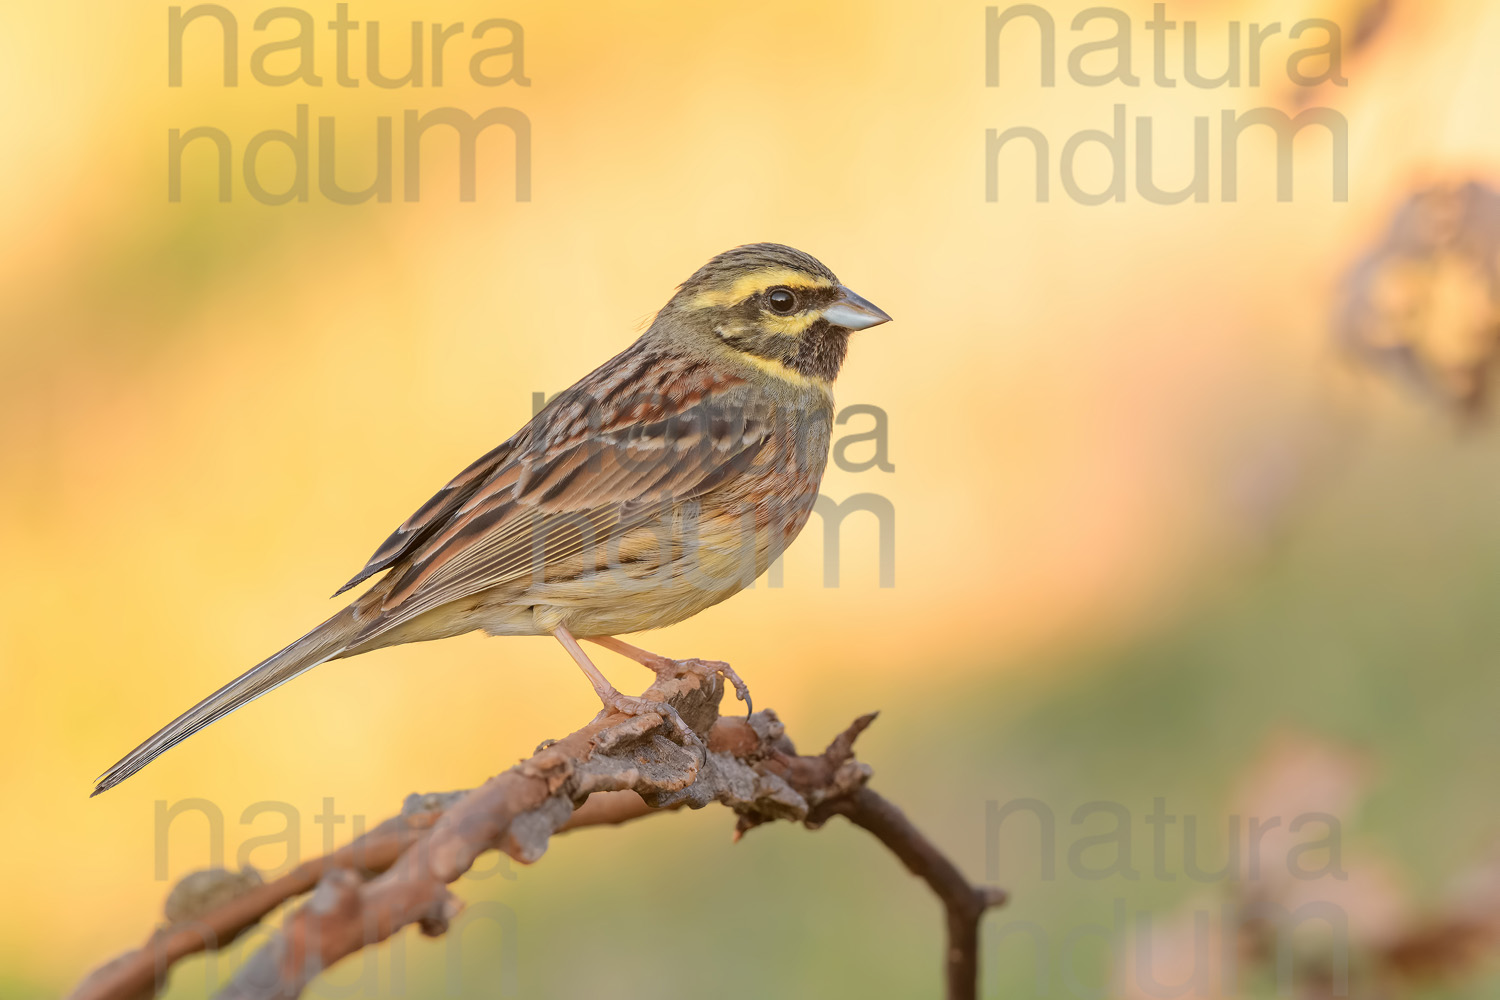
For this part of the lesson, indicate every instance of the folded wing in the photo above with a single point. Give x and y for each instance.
(597, 462)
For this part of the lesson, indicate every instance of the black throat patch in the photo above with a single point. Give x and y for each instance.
(820, 351)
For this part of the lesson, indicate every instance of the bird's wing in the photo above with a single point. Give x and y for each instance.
(433, 514)
(601, 459)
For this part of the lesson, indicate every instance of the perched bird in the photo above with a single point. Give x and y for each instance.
(660, 484)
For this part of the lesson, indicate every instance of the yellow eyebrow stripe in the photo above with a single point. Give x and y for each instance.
(755, 282)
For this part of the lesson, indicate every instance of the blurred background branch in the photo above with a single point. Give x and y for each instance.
(1423, 304)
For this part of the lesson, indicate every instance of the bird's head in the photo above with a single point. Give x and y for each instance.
(775, 307)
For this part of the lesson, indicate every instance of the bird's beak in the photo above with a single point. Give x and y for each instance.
(854, 312)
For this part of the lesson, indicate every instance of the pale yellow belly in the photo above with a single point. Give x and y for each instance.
(647, 582)
(652, 593)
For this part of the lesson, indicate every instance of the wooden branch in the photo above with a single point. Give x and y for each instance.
(613, 770)
(964, 902)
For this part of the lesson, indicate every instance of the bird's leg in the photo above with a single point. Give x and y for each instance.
(613, 700)
(658, 663)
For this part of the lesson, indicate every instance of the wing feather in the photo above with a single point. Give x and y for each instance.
(589, 468)
(431, 516)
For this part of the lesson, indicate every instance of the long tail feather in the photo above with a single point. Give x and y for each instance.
(320, 645)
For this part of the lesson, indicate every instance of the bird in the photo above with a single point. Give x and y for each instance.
(660, 484)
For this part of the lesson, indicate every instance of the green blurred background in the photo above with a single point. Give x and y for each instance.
(1166, 528)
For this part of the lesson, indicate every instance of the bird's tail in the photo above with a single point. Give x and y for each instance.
(323, 643)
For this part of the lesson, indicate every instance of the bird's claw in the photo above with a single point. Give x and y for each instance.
(633, 706)
(706, 669)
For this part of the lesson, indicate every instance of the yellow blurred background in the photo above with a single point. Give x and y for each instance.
(1122, 435)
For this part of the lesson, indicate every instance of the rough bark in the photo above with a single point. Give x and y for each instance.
(613, 770)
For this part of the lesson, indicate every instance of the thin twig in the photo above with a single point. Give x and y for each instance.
(964, 902)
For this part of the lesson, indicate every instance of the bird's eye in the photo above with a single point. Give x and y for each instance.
(782, 301)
